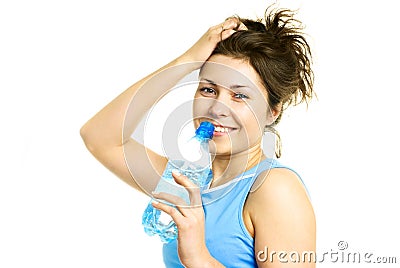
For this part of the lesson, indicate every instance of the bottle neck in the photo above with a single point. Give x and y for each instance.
(202, 139)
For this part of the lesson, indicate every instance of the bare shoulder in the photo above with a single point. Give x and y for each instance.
(280, 212)
(278, 183)
(277, 191)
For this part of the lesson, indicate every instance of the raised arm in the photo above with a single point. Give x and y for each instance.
(107, 134)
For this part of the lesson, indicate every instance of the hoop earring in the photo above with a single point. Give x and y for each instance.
(278, 142)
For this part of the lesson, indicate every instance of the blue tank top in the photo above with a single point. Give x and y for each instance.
(227, 238)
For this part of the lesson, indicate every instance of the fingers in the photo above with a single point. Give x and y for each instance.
(182, 180)
(170, 199)
(170, 210)
(193, 189)
(242, 27)
(233, 23)
(226, 33)
(176, 206)
(228, 27)
(179, 206)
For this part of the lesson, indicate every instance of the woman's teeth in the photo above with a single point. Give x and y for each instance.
(221, 129)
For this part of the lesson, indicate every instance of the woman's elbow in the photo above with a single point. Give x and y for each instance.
(88, 137)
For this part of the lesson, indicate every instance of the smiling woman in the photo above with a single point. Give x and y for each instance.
(250, 71)
(230, 95)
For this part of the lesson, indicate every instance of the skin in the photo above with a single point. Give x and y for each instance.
(290, 224)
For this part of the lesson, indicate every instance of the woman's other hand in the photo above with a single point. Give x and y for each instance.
(203, 48)
(189, 219)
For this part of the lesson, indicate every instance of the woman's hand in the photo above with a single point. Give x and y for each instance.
(203, 48)
(189, 219)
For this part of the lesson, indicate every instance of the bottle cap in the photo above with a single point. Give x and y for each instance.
(205, 130)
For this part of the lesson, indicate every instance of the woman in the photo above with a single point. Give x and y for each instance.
(249, 72)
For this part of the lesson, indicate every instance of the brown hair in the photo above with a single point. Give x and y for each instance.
(279, 53)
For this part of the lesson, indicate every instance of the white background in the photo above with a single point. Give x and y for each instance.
(61, 61)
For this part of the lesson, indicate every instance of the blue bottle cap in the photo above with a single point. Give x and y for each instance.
(205, 130)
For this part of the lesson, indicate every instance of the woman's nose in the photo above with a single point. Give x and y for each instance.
(219, 108)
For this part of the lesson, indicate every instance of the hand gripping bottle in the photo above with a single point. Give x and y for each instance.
(195, 165)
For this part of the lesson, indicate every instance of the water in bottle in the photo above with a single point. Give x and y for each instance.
(195, 164)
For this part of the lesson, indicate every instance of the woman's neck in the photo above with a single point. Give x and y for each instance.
(225, 168)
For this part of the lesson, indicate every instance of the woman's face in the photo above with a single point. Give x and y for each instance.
(231, 96)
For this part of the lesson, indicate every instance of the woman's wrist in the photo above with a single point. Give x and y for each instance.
(189, 61)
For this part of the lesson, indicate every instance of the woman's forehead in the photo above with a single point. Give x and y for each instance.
(231, 73)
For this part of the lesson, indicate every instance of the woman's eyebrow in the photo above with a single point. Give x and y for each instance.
(215, 84)
(202, 80)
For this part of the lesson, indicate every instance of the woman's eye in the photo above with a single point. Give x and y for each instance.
(240, 96)
(207, 91)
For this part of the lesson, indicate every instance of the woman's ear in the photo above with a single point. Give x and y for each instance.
(273, 114)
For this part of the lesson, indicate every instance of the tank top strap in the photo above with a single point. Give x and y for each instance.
(254, 172)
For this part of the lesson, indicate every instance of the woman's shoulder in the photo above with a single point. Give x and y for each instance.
(279, 199)
(276, 176)
(280, 186)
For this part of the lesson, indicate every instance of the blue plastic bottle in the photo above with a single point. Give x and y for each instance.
(196, 165)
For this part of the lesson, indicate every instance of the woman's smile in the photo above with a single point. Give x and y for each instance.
(222, 130)
(229, 96)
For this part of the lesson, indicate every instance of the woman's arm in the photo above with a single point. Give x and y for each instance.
(107, 134)
(283, 221)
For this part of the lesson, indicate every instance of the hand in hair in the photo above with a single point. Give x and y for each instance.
(203, 48)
